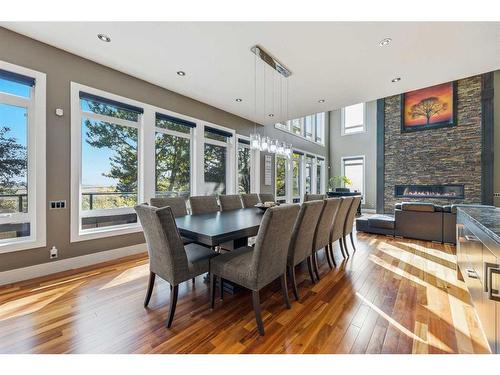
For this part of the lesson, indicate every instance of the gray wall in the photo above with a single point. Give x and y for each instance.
(356, 145)
(61, 68)
(496, 163)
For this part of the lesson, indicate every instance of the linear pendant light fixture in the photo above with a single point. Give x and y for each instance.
(264, 143)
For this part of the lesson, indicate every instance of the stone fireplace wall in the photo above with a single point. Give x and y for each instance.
(436, 156)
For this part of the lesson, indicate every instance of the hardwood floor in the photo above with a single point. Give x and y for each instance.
(391, 296)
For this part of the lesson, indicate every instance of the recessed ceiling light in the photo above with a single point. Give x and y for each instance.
(385, 42)
(271, 115)
(397, 79)
(321, 101)
(239, 100)
(104, 38)
(181, 73)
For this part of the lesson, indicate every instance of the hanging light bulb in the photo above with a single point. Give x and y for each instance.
(281, 148)
(255, 141)
(273, 146)
(264, 144)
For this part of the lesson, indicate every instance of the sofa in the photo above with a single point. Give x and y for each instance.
(419, 220)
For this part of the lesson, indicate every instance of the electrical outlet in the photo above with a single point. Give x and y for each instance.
(496, 195)
(57, 205)
(53, 253)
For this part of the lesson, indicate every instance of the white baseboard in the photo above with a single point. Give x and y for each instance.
(44, 269)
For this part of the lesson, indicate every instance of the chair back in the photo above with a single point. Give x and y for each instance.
(272, 243)
(230, 202)
(249, 200)
(167, 256)
(177, 204)
(340, 219)
(325, 223)
(203, 204)
(351, 215)
(303, 232)
(313, 197)
(264, 197)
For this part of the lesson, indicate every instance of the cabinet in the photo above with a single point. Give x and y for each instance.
(478, 258)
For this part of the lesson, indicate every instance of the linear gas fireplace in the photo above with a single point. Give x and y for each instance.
(429, 191)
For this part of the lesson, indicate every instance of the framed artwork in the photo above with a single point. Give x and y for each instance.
(429, 108)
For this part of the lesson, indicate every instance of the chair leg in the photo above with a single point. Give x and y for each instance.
(256, 309)
(284, 290)
(173, 304)
(352, 241)
(309, 267)
(330, 249)
(327, 253)
(341, 243)
(221, 288)
(315, 265)
(291, 275)
(151, 285)
(346, 247)
(193, 280)
(213, 279)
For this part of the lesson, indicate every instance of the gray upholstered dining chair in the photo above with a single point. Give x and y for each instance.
(168, 257)
(266, 197)
(338, 224)
(230, 202)
(349, 222)
(177, 204)
(313, 197)
(254, 268)
(249, 200)
(323, 230)
(203, 204)
(301, 243)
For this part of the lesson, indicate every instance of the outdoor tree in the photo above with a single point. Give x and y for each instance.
(427, 108)
(244, 170)
(13, 162)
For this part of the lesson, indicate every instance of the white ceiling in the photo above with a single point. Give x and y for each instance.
(340, 62)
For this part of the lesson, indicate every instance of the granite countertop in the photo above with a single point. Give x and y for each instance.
(486, 218)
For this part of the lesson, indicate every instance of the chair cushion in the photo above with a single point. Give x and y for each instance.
(235, 266)
(419, 206)
(382, 221)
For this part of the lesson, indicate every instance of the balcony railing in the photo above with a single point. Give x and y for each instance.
(91, 201)
(21, 204)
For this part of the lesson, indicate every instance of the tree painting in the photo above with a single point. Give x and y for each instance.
(428, 108)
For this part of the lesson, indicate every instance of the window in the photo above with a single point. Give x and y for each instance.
(354, 169)
(320, 165)
(310, 127)
(216, 160)
(296, 176)
(281, 178)
(244, 166)
(309, 174)
(353, 119)
(22, 157)
(173, 156)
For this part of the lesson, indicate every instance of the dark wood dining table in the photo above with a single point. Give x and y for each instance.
(222, 227)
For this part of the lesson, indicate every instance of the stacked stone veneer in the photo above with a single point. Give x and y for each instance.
(450, 155)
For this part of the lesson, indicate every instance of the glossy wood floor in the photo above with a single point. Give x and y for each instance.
(391, 296)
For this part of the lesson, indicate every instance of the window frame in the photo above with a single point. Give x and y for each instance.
(285, 197)
(354, 157)
(36, 171)
(254, 166)
(288, 128)
(342, 121)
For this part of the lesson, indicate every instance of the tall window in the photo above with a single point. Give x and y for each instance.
(109, 162)
(320, 165)
(353, 119)
(281, 177)
(22, 146)
(309, 174)
(296, 176)
(354, 169)
(244, 162)
(216, 160)
(310, 127)
(173, 156)
(296, 126)
(320, 127)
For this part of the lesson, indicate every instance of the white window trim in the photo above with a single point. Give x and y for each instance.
(342, 122)
(78, 234)
(286, 197)
(342, 168)
(36, 162)
(287, 128)
(254, 166)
